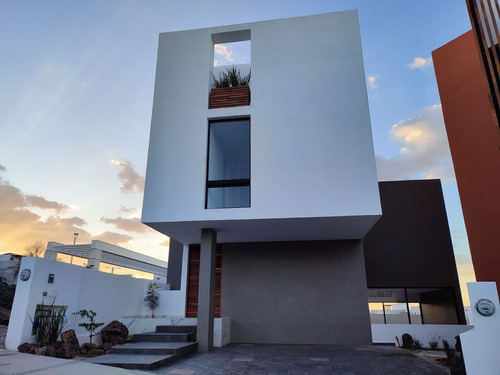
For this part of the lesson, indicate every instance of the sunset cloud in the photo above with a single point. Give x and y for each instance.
(128, 224)
(132, 181)
(113, 238)
(20, 226)
(41, 202)
(424, 151)
(419, 63)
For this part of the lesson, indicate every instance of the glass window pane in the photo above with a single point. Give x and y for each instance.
(228, 197)
(229, 150)
(415, 314)
(376, 313)
(396, 313)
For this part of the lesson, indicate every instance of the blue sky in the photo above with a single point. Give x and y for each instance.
(76, 87)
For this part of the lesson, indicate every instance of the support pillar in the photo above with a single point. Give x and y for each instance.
(206, 290)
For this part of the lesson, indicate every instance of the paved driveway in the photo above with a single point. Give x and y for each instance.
(248, 359)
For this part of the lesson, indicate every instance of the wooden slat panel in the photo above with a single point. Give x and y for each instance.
(225, 97)
(193, 281)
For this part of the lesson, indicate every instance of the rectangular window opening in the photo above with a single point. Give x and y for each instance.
(228, 172)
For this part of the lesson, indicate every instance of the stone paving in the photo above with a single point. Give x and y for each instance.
(249, 359)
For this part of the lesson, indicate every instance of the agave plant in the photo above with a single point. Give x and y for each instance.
(48, 322)
(231, 78)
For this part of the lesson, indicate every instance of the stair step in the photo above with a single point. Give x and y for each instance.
(179, 349)
(133, 361)
(151, 350)
(175, 329)
(164, 337)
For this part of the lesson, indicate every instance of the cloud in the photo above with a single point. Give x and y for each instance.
(129, 210)
(224, 52)
(20, 226)
(41, 202)
(419, 63)
(2, 168)
(132, 181)
(128, 224)
(166, 243)
(113, 238)
(372, 82)
(424, 152)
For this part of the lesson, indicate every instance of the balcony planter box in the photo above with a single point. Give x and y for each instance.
(224, 97)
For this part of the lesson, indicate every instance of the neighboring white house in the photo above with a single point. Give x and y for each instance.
(9, 267)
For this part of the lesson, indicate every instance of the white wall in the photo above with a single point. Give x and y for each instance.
(311, 144)
(480, 346)
(386, 333)
(110, 296)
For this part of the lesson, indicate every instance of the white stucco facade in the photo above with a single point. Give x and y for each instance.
(480, 345)
(312, 162)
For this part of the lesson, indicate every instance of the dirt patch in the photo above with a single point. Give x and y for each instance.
(435, 356)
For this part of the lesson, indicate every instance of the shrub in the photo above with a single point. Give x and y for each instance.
(450, 352)
(434, 341)
(152, 299)
(92, 325)
(433, 345)
(416, 344)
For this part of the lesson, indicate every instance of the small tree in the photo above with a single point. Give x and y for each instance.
(152, 299)
(92, 326)
(34, 250)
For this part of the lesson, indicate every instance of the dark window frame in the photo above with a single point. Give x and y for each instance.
(244, 182)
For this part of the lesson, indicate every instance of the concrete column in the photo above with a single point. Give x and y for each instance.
(50, 254)
(206, 290)
(94, 259)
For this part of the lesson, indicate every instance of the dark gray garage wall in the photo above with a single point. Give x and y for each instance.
(296, 292)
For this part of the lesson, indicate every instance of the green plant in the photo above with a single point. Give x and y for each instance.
(231, 78)
(416, 344)
(48, 322)
(92, 325)
(450, 352)
(434, 341)
(152, 298)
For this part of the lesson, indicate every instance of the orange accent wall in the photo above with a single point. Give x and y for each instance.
(474, 139)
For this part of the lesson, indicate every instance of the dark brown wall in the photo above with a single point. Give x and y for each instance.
(474, 139)
(410, 246)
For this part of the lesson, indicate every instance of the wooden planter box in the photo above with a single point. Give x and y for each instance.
(224, 97)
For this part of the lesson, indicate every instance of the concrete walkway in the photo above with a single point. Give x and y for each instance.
(19, 364)
(247, 359)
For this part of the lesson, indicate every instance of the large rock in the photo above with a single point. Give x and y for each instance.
(27, 348)
(407, 341)
(47, 351)
(115, 333)
(70, 344)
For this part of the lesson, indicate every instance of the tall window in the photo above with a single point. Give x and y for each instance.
(228, 175)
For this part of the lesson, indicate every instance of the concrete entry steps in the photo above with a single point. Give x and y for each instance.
(153, 349)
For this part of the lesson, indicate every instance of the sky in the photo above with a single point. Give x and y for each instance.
(76, 91)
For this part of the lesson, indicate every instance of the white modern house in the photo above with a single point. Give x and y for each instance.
(270, 196)
(286, 183)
